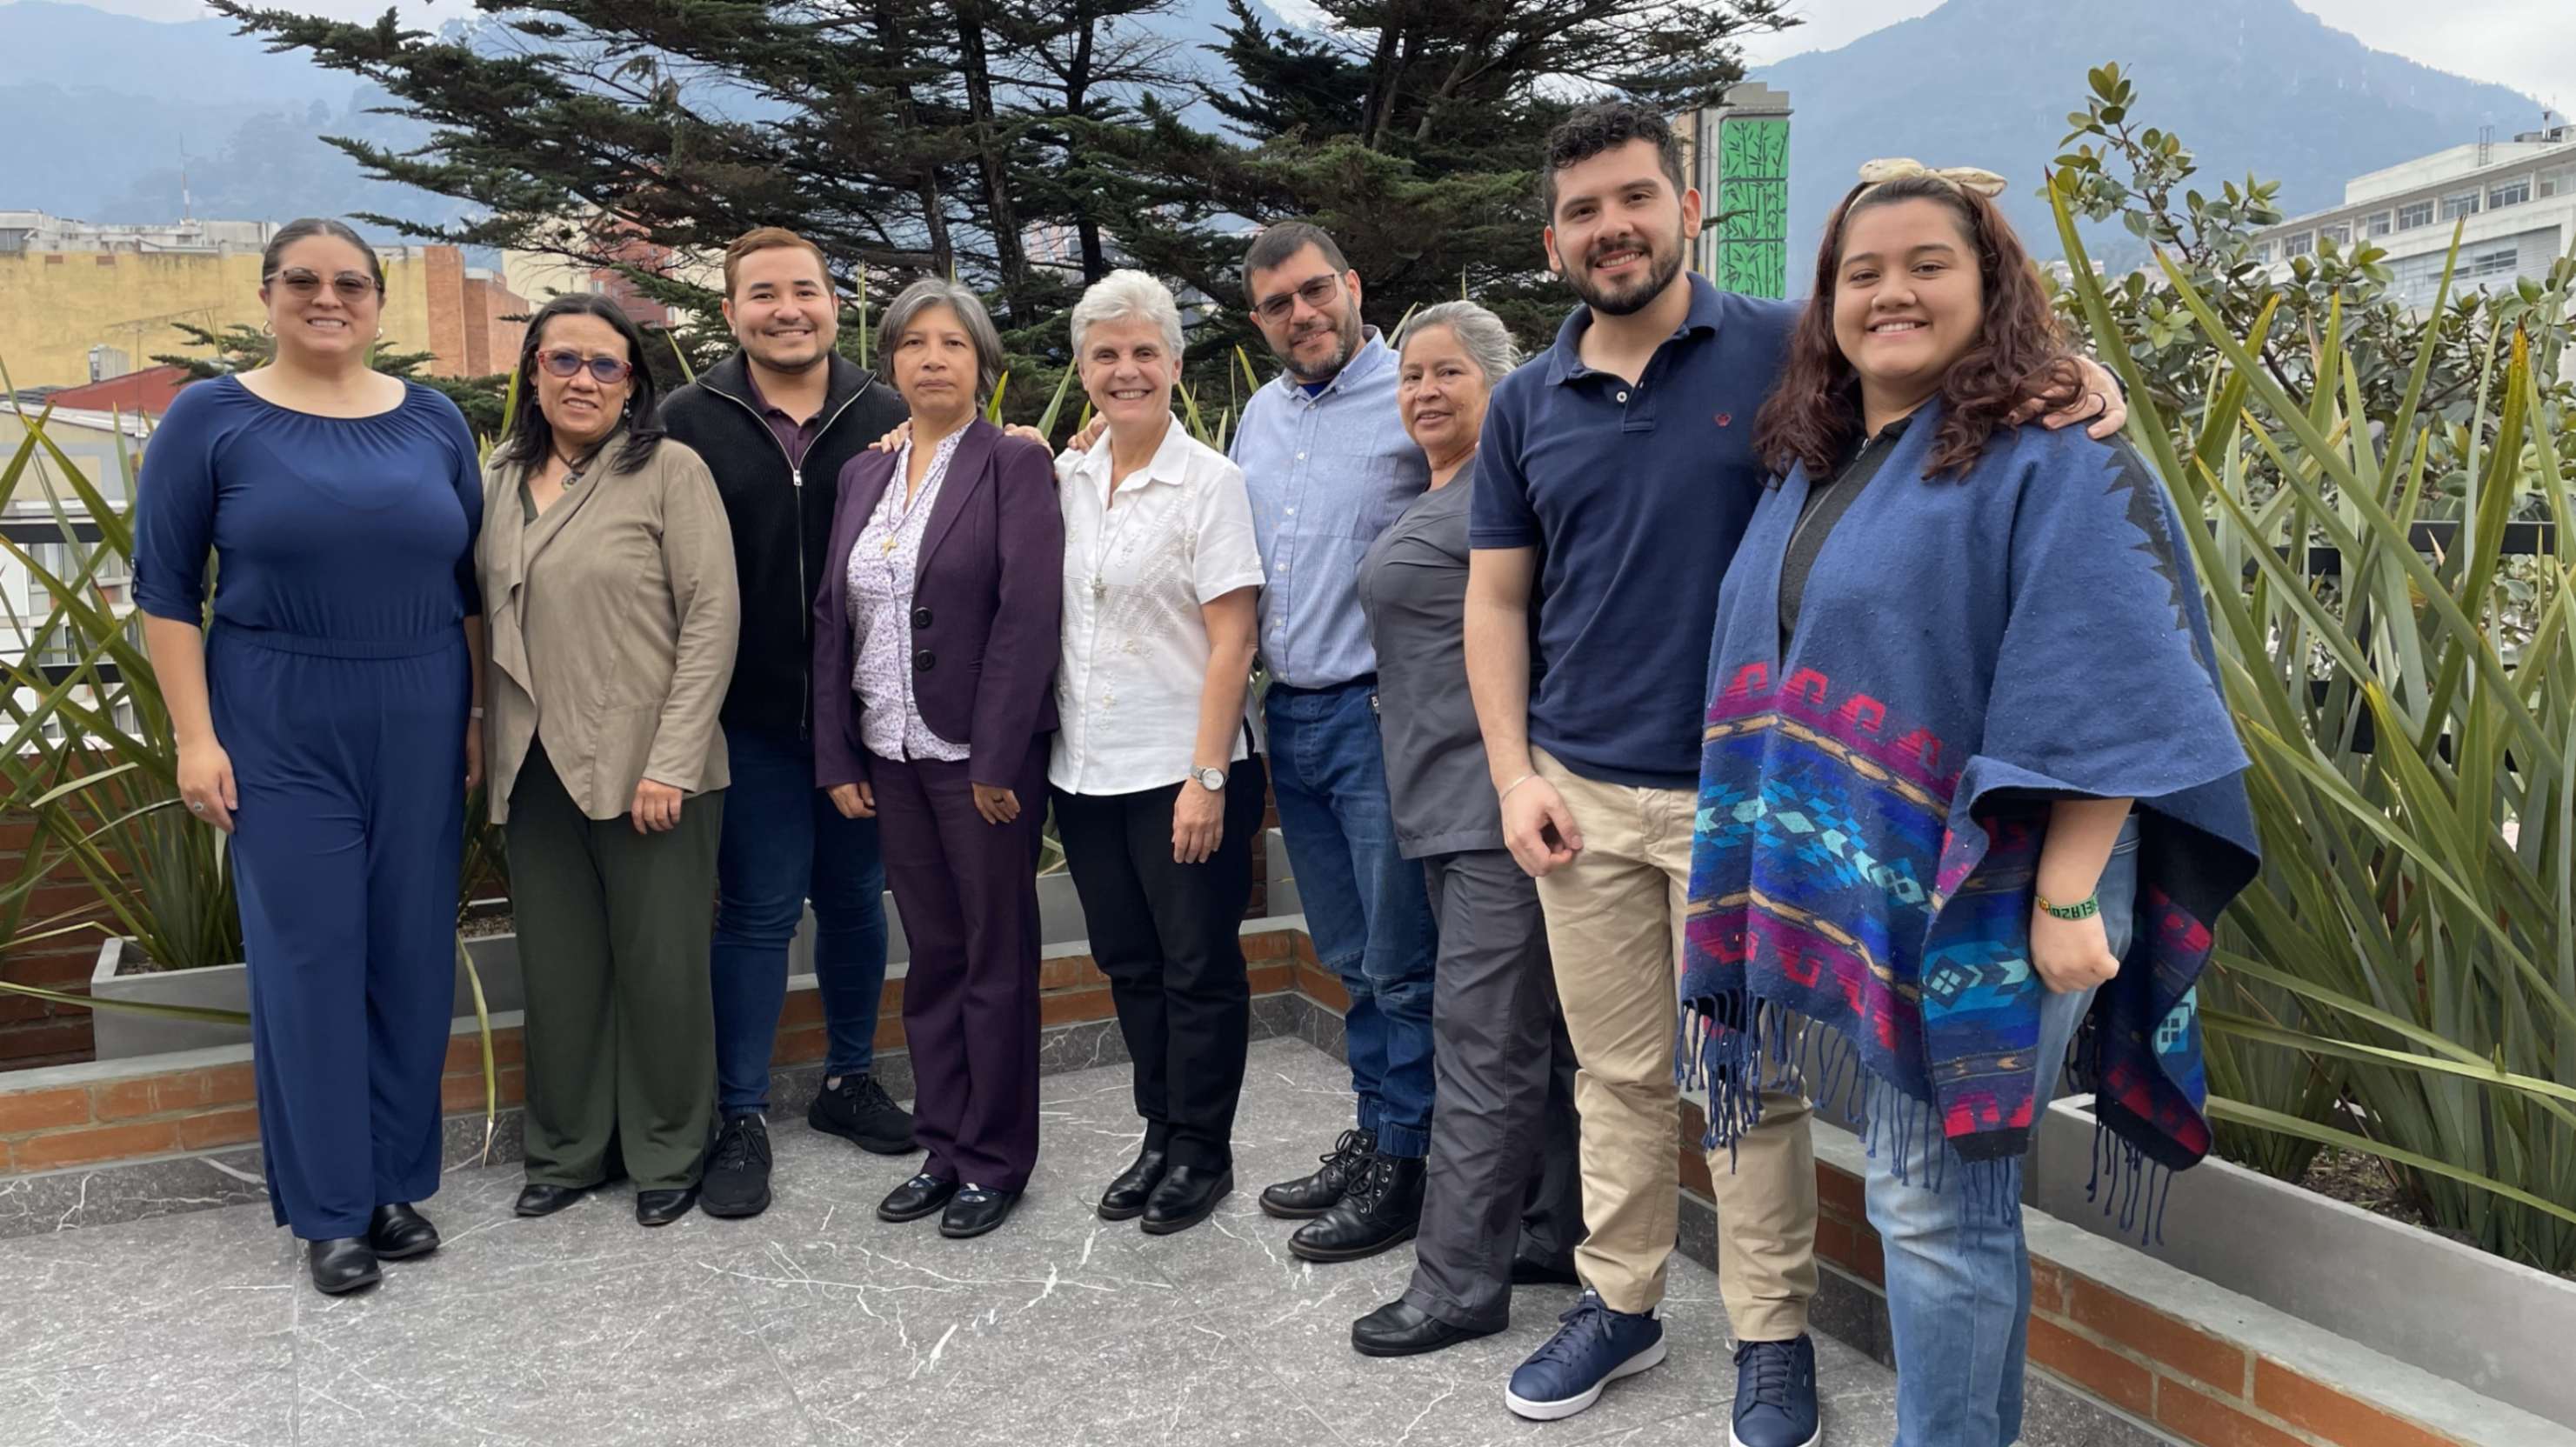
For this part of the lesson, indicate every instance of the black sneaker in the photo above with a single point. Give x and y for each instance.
(858, 1109)
(737, 1175)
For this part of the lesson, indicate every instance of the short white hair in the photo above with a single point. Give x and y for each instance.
(1127, 295)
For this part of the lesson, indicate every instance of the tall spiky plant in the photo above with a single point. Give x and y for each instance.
(2401, 978)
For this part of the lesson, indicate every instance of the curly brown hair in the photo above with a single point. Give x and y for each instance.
(1814, 415)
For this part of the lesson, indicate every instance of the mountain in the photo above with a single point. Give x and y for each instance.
(2256, 85)
(243, 125)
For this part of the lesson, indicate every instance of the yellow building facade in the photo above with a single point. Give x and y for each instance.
(56, 306)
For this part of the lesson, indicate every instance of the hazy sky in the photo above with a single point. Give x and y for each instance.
(2527, 44)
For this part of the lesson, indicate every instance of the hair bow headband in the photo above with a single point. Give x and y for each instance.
(1966, 178)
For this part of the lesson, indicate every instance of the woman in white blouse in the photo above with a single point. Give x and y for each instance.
(1156, 783)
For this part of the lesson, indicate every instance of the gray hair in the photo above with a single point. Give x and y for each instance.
(929, 292)
(1128, 296)
(1488, 343)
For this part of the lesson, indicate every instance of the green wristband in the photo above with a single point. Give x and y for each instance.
(2085, 908)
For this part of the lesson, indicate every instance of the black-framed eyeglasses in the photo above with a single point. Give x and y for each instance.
(606, 371)
(1317, 293)
(350, 287)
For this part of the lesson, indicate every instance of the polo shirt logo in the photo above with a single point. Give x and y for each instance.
(1725, 418)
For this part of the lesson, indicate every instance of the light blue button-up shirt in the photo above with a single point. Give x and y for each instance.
(1327, 474)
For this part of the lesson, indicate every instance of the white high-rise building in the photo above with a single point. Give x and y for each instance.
(2513, 203)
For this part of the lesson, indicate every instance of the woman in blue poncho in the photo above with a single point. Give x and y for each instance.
(1969, 794)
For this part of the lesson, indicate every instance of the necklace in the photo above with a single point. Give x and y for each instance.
(1107, 536)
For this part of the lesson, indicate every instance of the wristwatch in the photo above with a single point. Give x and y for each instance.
(1212, 780)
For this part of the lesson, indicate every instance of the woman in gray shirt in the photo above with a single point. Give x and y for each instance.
(1503, 1204)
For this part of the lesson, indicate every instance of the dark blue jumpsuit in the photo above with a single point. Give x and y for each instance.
(338, 676)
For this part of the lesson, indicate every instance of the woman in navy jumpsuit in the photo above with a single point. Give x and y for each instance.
(322, 720)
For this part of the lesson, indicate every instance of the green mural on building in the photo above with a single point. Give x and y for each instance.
(1752, 216)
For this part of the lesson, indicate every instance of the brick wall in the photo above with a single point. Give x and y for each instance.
(33, 1032)
(2194, 1383)
(149, 1114)
(443, 281)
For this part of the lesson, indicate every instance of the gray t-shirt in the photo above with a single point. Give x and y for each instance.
(1413, 587)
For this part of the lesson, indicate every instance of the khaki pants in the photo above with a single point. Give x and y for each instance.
(1614, 926)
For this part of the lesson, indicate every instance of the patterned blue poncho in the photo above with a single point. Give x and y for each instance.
(1871, 806)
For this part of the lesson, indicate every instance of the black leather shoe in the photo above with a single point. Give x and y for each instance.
(1126, 1197)
(859, 1110)
(736, 1180)
(342, 1264)
(537, 1200)
(1310, 1196)
(915, 1198)
(398, 1233)
(1526, 1272)
(1187, 1196)
(975, 1210)
(1381, 1209)
(1401, 1329)
(661, 1208)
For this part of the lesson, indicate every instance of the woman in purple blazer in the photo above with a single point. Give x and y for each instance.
(935, 644)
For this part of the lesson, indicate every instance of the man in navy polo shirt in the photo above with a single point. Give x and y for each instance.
(1615, 480)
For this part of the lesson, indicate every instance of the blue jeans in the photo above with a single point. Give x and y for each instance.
(1367, 907)
(1958, 1279)
(783, 844)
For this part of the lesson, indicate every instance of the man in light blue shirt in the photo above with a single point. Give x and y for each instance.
(1326, 459)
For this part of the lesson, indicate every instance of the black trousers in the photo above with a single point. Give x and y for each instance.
(1169, 937)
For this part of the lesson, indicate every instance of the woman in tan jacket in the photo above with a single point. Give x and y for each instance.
(613, 617)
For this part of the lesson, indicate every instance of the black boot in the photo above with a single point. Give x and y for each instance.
(1401, 1329)
(398, 1233)
(1126, 1197)
(1309, 1196)
(341, 1264)
(1381, 1209)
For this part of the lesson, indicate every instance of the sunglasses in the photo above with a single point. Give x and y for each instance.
(351, 287)
(606, 371)
(1317, 294)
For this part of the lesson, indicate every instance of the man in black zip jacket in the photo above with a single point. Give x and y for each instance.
(774, 423)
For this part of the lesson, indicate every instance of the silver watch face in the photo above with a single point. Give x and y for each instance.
(1211, 779)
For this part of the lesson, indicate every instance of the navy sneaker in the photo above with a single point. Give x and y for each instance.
(1775, 1394)
(1593, 1347)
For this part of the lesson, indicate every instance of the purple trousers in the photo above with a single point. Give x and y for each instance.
(968, 897)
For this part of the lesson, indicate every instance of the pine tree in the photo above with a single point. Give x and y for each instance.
(1412, 132)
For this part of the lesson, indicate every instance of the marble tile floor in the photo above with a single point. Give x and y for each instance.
(818, 1324)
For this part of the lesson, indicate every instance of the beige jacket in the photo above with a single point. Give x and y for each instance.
(613, 620)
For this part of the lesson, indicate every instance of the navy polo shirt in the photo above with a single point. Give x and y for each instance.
(1635, 497)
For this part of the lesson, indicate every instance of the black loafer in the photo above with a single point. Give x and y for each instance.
(1401, 1329)
(537, 1200)
(1526, 1272)
(915, 1198)
(661, 1208)
(975, 1210)
(1126, 1197)
(1187, 1196)
(398, 1233)
(342, 1264)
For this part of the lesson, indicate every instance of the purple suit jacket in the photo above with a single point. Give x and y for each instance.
(988, 604)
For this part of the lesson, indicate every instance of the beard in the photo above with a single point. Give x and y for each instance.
(1346, 337)
(1662, 265)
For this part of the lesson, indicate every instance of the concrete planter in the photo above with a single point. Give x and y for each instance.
(2492, 1325)
(125, 1035)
